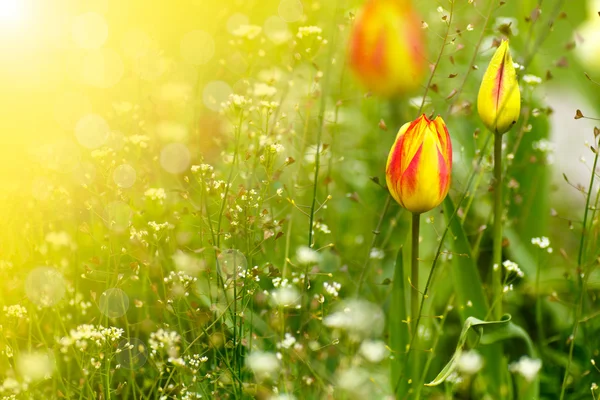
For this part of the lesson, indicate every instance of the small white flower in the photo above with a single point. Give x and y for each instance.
(470, 362)
(373, 350)
(527, 367)
(286, 296)
(306, 255)
(263, 364)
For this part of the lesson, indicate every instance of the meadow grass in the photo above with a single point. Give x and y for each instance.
(216, 225)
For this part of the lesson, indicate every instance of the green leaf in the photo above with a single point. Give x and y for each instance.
(398, 329)
(470, 296)
(467, 283)
(488, 332)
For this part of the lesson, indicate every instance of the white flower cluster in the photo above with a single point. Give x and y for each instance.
(470, 362)
(157, 227)
(359, 318)
(511, 266)
(544, 146)
(203, 169)
(306, 255)
(305, 31)
(332, 288)
(59, 239)
(15, 311)
(532, 79)
(85, 334)
(543, 243)
(286, 296)
(263, 90)
(155, 194)
(163, 340)
(376, 254)
(526, 367)
(134, 234)
(288, 341)
(264, 365)
(138, 140)
(180, 277)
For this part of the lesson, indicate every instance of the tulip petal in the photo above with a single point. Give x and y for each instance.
(419, 165)
(420, 181)
(499, 99)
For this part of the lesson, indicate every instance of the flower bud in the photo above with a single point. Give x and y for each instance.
(419, 164)
(499, 100)
(386, 47)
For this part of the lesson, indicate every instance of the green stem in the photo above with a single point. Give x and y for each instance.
(538, 305)
(414, 272)
(582, 281)
(498, 204)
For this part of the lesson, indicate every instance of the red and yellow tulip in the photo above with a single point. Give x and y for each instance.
(499, 100)
(419, 164)
(387, 48)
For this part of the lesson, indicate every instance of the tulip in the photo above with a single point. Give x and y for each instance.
(386, 47)
(499, 100)
(419, 165)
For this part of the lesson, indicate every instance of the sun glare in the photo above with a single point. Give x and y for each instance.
(11, 11)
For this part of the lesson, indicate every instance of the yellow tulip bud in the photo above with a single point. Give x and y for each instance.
(419, 164)
(387, 48)
(499, 100)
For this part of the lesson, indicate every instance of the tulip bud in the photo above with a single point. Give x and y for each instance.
(419, 164)
(499, 100)
(386, 47)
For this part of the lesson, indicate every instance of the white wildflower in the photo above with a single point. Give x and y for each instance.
(287, 296)
(373, 350)
(306, 255)
(511, 266)
(527, 367)
(359, 318)
(264, 365)
(469, 362)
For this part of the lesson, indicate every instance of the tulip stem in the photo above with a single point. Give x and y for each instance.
(497, 253)
(414, 271)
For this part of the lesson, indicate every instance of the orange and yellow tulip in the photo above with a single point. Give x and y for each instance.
(387, 47)
(419, 164)
(499, 100)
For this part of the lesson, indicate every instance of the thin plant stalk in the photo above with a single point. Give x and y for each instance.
(498, 210)
(582, 281)
(414, 272)
(538, 304)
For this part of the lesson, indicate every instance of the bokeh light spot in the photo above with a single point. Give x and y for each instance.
(113, 303)
(84, 173)
(236, 63)
(175, 158)
(230, 261)
(132, 353)
(91, 131)
(41, 188)
(135, 43)
(290, 10)
(117, 216)
(45, 286)
(171, 131)
(276, 30)
(36, 365)
(215, 94)
(60, 156)
(235, 21)
(124, 176)
(102, 68)
(89, 30)
(197, 47)
(69, 107)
